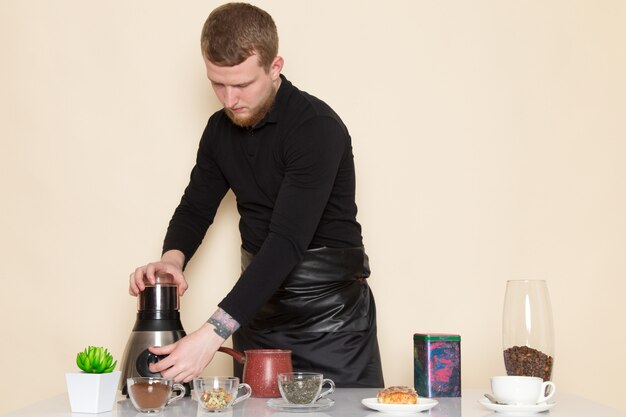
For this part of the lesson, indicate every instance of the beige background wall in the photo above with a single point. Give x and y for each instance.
(489, 140)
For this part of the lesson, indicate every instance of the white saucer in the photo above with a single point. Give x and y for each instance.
(516, 409)
(423, 404)
(282, 405)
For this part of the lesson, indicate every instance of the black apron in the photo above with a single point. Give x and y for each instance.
(324, 312)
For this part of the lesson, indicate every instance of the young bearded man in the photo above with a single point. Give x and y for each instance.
(287, 157)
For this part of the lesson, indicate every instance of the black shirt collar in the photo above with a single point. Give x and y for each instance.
(274, 114)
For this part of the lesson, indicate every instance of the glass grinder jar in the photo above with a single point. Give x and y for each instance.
(527, 329)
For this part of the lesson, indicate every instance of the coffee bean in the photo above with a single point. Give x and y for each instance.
(526, 361)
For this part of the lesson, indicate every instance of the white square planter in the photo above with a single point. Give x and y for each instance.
(92, 393)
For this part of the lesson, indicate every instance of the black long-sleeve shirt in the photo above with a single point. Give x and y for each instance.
(294, 181)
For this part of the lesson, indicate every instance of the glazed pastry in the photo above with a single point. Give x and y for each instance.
(397, 395)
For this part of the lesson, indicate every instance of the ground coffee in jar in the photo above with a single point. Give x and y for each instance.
(526, 361)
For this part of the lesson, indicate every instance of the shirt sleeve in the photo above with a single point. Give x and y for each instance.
(196, 211)
(312, 156)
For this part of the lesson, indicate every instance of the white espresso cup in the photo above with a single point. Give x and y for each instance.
(521, 390)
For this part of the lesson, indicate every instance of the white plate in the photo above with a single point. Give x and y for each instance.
(282, 405)
(423, 404)
(516, 409)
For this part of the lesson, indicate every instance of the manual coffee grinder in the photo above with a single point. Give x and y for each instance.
(157, 324)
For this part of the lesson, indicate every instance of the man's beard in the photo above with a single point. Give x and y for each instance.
(258, 115)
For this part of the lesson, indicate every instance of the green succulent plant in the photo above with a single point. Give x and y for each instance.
(95, 360)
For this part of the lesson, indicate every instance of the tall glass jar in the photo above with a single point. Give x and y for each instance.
(527, 329)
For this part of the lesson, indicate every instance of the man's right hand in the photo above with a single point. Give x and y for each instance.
(187, 357)
(171, 263)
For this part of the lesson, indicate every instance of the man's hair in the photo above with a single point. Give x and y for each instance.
(235, 31)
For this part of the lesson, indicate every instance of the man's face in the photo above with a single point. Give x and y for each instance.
(246, 90)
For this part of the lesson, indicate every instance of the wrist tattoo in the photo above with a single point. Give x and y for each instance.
(224, 324)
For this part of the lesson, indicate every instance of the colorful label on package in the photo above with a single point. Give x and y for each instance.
(437, 365)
